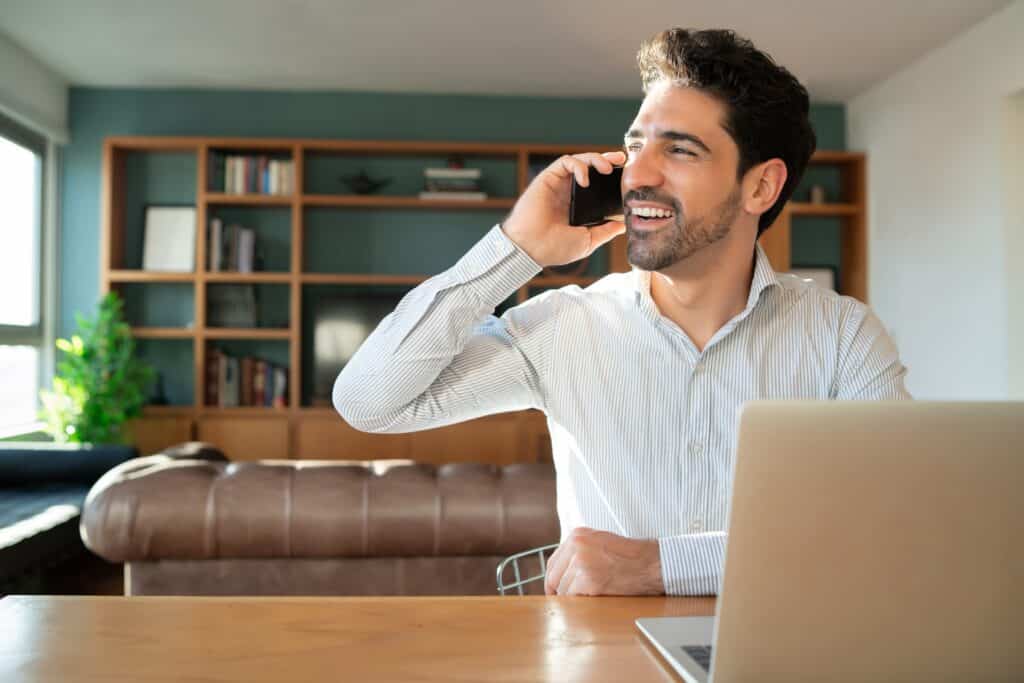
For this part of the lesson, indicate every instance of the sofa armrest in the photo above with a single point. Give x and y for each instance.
(150, 509)
(194, 450)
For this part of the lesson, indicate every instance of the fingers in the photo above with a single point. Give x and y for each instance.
(568, 577)
(556, 567)
(578, 165)
(606, 232)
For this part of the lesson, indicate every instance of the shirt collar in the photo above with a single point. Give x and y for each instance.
(764, 277)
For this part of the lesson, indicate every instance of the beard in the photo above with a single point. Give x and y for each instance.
(680, 239)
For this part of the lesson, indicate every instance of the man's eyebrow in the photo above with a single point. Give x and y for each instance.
(635, 133)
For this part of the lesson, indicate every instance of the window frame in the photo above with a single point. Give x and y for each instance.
(41, 334)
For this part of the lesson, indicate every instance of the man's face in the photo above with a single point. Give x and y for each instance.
(679, 184)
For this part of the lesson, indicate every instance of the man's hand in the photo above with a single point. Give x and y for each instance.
(539, 222)
(593, 562)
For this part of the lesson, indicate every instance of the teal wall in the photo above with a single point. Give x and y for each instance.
(97, 113)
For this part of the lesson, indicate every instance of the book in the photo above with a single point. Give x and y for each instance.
(246, 252)
(169, 242)
(213, 360)
(245, 381)
(452, 173)
(259, 375)
(229, 382)
(466, 196)
(215, 245)
(280, 388)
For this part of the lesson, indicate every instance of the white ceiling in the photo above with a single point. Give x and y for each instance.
(569, 48)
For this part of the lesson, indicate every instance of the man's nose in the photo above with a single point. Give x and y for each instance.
(641, 170)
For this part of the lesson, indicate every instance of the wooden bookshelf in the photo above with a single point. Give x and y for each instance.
(301, 430)
(851, 212)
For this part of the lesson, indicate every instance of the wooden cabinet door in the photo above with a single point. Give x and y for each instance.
(497, 439)
(152, 434)
(326, 437)
(247, 438)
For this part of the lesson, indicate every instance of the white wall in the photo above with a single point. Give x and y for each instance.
(940, 259)
(31, 93)
(1013, 194)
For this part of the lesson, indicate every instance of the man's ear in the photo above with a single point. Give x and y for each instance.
(762, 185)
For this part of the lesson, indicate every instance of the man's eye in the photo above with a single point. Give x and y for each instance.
(681, 150)
(632, 147)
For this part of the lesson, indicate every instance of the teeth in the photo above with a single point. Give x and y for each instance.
(650, 212)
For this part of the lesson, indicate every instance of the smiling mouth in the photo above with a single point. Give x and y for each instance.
(646, 218)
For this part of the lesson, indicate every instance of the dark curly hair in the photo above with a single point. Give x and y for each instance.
(767, 106)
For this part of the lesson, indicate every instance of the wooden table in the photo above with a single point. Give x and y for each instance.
(143, 639)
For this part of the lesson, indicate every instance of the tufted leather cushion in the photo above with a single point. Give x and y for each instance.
(163, 508)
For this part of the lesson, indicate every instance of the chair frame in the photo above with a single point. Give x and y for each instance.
(514, 561)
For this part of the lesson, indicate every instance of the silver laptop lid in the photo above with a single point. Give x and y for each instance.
(882, 540)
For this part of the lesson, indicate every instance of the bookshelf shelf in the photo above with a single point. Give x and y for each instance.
(246, 333)
(248, 199)
(296, 268)
(562, 281)
(245, 411)
(247, 278)
(163, 332)
(148, 276)
(385, 202)
(808, 209)
(361, 279)
(168, 411)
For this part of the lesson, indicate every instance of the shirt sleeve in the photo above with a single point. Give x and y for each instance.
(869, 367)
(441, 357)
(691, 564)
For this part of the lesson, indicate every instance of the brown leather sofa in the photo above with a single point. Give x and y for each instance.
(189, 522)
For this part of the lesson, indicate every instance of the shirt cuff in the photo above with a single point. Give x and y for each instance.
(496, 267)
(691, 564)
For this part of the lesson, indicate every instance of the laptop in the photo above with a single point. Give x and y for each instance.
(867, 541)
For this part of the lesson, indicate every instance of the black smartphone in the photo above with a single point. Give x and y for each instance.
(592, 205)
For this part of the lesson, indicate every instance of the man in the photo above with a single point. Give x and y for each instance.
(642, 374)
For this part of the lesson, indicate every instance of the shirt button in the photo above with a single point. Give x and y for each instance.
(695, 449)
(696, 525)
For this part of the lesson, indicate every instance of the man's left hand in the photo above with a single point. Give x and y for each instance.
(592, 562)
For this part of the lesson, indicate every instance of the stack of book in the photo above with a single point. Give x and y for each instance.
(252, 174)
(452, 183)
(246, 381)
(231, 248)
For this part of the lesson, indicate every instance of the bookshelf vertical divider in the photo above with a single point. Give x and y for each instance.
(298, 240)
(199, 322)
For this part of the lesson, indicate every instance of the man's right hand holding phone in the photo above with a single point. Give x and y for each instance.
(539, 221)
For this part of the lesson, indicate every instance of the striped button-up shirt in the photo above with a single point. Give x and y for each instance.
(642, 423)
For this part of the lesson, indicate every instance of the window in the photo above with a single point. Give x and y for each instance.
(22, 155)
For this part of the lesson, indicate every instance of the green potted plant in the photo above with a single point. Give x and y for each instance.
(99, 382)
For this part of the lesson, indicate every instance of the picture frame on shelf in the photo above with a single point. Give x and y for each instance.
(825, 276)
(169, 238)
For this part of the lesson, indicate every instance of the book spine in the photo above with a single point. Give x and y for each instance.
(239, 175)
(246, 250)
(213, 378)
(222, 380)
(280, 387)
(215, 244)
(268, 385)
(245, 375)
(231, 385)
(259, 374)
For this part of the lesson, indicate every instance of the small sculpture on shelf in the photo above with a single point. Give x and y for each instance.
(362, 183)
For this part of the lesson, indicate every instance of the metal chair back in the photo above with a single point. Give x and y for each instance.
(512, 562)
